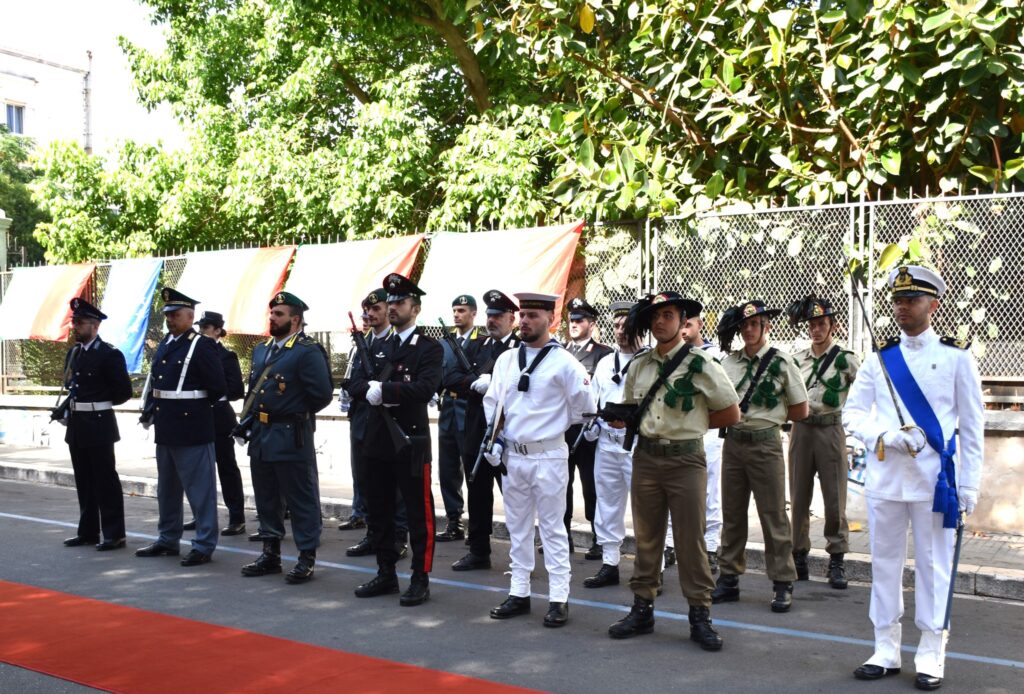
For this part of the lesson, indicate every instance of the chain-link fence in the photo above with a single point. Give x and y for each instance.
(724, 258)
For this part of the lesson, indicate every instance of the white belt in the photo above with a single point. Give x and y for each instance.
(179, 394)
(531, 447)
(91, 406)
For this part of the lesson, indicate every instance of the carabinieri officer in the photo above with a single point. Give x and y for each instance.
(289, 382)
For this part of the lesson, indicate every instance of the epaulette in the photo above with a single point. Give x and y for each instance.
(886, 344)
(307, 340)
(193, 335)
(953, 342)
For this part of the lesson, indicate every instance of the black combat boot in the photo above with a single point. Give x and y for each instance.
(727, 589)
(384, 583)
(453, 531)
(640, 620)
(701, 630)
(837, 572)
(782, 596)
(800, 560)
(607, 575)
(418, 591)
(303, 570)
(267, 563)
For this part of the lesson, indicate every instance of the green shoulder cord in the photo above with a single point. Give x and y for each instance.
(681, 390)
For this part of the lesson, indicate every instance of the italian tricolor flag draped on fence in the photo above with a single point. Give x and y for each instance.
(36, 303)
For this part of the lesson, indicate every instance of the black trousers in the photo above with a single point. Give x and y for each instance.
(582, 460)
(291, 482)
(100, 500)
(230, 478)
(480, 492)
(384, 477)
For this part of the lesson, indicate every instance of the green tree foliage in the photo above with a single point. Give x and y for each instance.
(16, 174)
(368, 117)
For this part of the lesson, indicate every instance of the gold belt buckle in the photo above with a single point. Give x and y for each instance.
(264, 418)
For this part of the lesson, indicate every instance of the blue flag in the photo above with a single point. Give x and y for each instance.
(127, 301)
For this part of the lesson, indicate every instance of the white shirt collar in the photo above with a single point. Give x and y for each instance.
(404, 335)
(921, 341)
(87, 345)
(382, 334)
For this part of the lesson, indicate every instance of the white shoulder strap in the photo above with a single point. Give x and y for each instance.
(188, 358)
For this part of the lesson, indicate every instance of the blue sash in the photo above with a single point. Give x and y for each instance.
(945, 501)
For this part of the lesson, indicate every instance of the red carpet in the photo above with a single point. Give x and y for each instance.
(124, 649)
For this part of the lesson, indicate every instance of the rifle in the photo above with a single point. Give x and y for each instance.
(399, 439)
(460, 354)
(491, 436)
(146, 411)
(62, 410)
(611, 412)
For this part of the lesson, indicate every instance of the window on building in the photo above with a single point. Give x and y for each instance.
(16, 118)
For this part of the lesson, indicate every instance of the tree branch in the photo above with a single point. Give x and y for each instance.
(434, 18)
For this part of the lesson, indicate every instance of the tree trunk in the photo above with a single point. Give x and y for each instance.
(433, 17)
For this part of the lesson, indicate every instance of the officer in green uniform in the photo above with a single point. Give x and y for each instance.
(669, 469)
(771, 391)
(817, 444)
(289, 382)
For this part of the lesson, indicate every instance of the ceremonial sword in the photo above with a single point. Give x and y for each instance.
(855, 288)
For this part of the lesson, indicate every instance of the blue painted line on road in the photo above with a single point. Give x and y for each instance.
(728, 624)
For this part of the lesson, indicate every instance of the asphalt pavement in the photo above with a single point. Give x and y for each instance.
(814, 648)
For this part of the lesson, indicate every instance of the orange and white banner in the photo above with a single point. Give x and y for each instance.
(514, 260)
(36, 302)
(238, 283)
(334, 278)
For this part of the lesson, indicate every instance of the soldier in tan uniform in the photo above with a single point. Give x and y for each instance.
(771, 391)
(817, 444)
(669, 468)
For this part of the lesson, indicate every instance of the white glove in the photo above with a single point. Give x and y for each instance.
(968, 499)
(901, 440)
(146, 425)
(593, 432)
(494, 455)
(375, 395)
(481, 384)
(239, 440)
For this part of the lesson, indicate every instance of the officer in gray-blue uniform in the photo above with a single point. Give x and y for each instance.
(185, 382)
(289, 382)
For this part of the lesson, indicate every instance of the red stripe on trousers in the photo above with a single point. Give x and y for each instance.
(428, 508)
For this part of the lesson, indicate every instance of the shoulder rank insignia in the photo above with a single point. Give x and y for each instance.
(415, 338)
(953, 342)
(192, 336)
(885, 344)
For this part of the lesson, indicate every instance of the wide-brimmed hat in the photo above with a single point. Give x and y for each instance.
(732, 317)
(638, 322)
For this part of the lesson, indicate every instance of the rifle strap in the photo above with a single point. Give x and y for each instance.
(188, 359)
(825, 363)
(670, 366)
(252, 392)
(761, 368)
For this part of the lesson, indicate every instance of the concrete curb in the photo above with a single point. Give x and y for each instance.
(983, 581)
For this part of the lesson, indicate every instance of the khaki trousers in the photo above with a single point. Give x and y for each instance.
(677, 484)
(755, 468)
(818, 450)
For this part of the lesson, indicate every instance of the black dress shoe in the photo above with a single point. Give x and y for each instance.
(453, 531)
(381, 584)
(594, 553)
(77, 541)
(267, 563)
(353, 523)
(670, 556)
(727, 589)
(195, 558)
(233, 529)
(927, 682)
(157, 549)
(255, 537)
(558, 614)
(361, 549)
(607, 575)
(874, 672)
(418, 591)
(472, 562)
(640, 620)
(302, 572)
(108, 545)
(782, 596)
(512, 607)
(191, 525)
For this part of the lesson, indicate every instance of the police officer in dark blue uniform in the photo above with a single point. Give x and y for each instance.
(290, 381)
(96, 379)
(482, 353)
(451, 418)
(211, 325)
(186, 381)
(413, 376)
